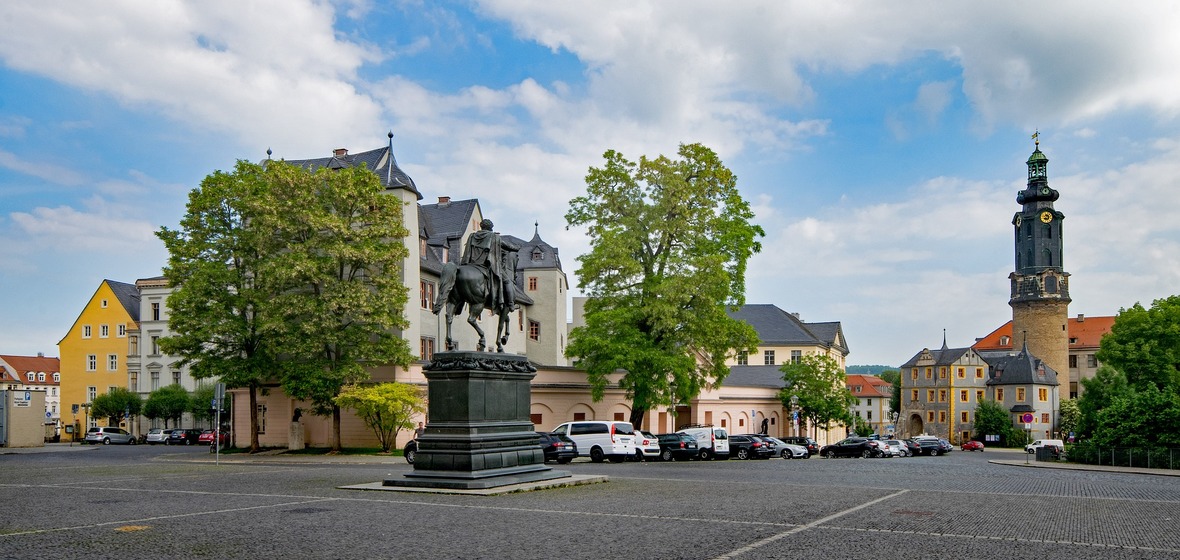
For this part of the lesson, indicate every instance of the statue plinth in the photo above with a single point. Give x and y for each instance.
(479, 434)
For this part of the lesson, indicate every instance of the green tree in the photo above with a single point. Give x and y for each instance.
(1107, 385)
(821, 386)
(201, 403)
(386, 408)
(894, 378)
(1146, 419)
(115, 404)
(861, 427)
(168, 403)
(216, 266)
(1144, 344)
(1070, 416)
(669, 242)
(337, 249)
(993, 419)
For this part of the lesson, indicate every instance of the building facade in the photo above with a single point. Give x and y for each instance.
(36, 373)
(872, 396)
(1085, 334)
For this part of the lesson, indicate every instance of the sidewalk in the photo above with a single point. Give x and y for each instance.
(1033, 463)
(48, 448)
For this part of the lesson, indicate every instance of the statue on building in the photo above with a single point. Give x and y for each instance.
(483, 279)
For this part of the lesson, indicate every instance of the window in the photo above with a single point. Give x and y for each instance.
(1020, 394)
(914, 395)
(155, 345)
(979, 373)
(426, 348)
(929, 415)
(537, 254)
(1073, 360)
(1005, 340)
(869, 415)
(913, 373)
(104, 331)
(176, 377)
(91, 362)
(942, 372)
(796, 356)
(133, 345)
(112, 362)
(426, 291)
(1091, 360)
(111, 389)
(534, 330)
(91, 393)
(579, 416)
(121, 330)
(961, 373)
(963, 396)
(979, 395)
(133, 381)
(85, 331)
(929, 373)
(262, 419)
(532, 283)
(53, 393)
(31, 376)
(942, 395)
(155, 311)
(155, 380)
(1044, 417)
(999, 394)
(57, 378)
(103, 304)
(743, 358)
(618, 417)
(535, 419)
(964, 417)
(942, 416)
(929, 395)
(768, 357)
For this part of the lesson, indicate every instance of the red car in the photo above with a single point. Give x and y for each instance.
(206, 438)
(972, 446)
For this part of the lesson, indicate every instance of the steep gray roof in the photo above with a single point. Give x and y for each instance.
(754, 376)
(381, 161)
(777, 327)
(536, 253)
(942, 357)
(442, 225)
(128, 296)
(1020, 369)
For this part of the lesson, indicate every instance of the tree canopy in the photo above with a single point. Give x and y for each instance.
(115, 404)
(168, 403)
(386, 408)
(669, 242)
(822, 389)
(992, 419)
(1144, 344)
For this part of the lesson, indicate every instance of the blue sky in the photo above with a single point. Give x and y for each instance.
(881, 144)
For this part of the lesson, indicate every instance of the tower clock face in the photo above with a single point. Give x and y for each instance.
(1017, 221)
(1046, 216)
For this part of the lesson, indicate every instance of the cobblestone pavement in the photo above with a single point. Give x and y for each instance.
(170, 502)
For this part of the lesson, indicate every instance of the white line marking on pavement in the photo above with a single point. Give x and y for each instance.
(752, 546)
(1003, 538)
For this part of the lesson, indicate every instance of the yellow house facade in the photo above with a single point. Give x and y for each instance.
(94, 352)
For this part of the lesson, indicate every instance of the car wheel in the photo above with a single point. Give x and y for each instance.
(704, 455)
(106, 441)
(866, 454)
(666, 455)
(743, 454)
(188, 442)
(787, 454)
(131, 441)
(596, 455)
(934, 453)
(564, 461)
(831, 454)
(638, 454)
(411, 454)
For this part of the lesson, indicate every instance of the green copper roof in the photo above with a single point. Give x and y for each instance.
(1036, 156)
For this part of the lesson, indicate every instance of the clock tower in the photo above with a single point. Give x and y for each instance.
(1040, 285)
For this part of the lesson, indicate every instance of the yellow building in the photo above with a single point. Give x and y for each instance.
(94, 351)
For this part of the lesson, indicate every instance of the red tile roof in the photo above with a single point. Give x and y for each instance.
(25, 364)
(870, 385)
(1087, 330)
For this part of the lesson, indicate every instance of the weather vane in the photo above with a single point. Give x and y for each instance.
(1037, 137)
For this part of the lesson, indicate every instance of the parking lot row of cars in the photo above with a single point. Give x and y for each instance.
(875, 447)
(170, 436)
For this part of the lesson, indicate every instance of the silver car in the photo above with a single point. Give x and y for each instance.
(157, 435)
(788, 450)
(107, 436)
(898, 448)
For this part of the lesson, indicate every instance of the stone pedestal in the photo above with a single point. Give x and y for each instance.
(479, 435)
(295, 437)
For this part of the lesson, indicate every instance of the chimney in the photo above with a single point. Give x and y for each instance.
(444, 200)
(340, 152)
(1081, 317)
(40, 354)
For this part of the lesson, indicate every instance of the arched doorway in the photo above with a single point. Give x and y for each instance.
(915, 427)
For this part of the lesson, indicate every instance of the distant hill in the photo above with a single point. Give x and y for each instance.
(868, 370)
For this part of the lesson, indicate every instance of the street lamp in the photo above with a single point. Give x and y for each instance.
(794, 415)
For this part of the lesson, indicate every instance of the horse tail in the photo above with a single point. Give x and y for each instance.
(445, 284)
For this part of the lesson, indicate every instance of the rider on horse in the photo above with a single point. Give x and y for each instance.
(484, 250)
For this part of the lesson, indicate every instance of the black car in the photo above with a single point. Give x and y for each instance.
(912, 446)
(677, 446)
(803, 441)
(930, 446)
(767, 442)
(411, 451)
(748, 447)
(183, 436)
(852, 447)
(558, 447)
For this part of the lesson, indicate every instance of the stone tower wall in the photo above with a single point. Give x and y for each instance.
(1044, 322)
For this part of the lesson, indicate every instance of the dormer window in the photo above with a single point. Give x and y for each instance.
(1005, 340)
(538, 254)
(41, 377)
(31, 377)
(57, 378)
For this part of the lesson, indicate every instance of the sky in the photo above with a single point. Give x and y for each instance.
(881, 144)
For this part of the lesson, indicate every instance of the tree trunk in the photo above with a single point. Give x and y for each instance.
(637, 415)
(336, 429)
(253, 418)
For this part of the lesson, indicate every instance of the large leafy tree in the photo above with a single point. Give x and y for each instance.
(1101, 391)
(894, 378)
(1144, 344)
(336, 250)
(386, 408)
(217, 266)
(821, 387)
(168, 403)
(992, 419)
(115, 404)
(669, 242)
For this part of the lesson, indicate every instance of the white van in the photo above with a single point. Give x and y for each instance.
(1032, 447)
(712, 442)
(600, 439)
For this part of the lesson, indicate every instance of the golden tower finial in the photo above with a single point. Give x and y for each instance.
(1037, 137)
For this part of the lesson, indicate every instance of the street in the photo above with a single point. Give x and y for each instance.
(173, 502)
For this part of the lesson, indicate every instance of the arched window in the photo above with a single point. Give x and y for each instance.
(1048, 257)
(1048, 231)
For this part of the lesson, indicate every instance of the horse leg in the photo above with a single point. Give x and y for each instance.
(502, 331)
(450, 314)
(473, 320)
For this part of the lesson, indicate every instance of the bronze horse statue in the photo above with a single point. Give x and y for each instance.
(467, 285)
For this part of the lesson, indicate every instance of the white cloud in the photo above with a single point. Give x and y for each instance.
(47, 171)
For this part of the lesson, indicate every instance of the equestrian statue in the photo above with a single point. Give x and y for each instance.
(485, 278)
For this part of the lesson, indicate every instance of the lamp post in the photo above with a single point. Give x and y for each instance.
(794, 415)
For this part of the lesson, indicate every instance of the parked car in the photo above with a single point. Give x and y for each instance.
(803, 441)
(929, 445)
(946, 446)
(558, 447)
(787, 450)
(972, 445)
(183, 436)
(206, 437)
(748, 447)
(899, 447)
(1032, 447)
(647, 446)
(851, 447)
(889, 448)
(107, 436)
(410, 452)
(767, 442)
(156, 435)
(712, 441)
(601, 439)
(912, 447)
(677, 446)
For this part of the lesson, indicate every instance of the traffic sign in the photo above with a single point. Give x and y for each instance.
(1027, 418)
